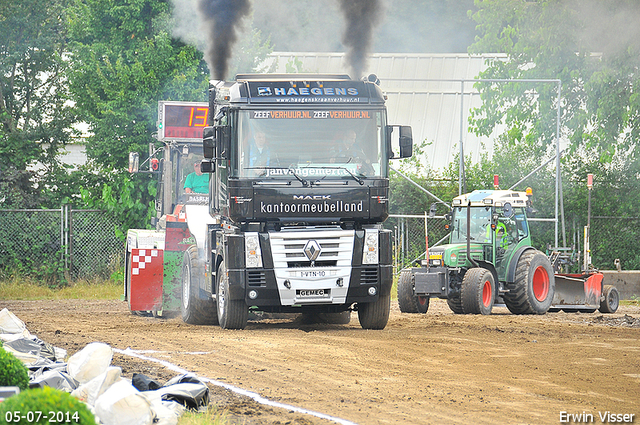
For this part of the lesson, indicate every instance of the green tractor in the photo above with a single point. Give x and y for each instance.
(489, 260)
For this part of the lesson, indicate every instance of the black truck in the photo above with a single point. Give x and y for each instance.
(298, 192)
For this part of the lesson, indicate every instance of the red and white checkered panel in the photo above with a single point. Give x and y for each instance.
(147, 267)
(140, 261)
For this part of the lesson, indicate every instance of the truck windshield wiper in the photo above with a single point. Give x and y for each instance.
(355, 177)
(289, 169)
(300, 179)
(304, 181)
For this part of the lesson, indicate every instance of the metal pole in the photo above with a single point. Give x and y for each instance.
(426, 238)
(587, 230)
(420, 187)
(461, 178)
(532, 173)
(557, 161)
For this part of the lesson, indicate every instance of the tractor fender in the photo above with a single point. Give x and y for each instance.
(511, 272)
(492, 269)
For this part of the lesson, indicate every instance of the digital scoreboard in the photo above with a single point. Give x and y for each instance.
(181, 120)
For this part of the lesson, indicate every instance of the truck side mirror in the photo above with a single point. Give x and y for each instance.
(207, 166)
(134, 162)
(209, 142)
(406, 141)
(400, 141)
(223, 139)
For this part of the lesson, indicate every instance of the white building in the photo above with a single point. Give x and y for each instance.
(424, 91)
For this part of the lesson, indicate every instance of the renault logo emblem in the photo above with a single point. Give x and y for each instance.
(312, 250)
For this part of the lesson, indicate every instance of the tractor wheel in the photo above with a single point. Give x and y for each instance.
(375, 315)
(407, 301)
(194, 310)
(423, 304)
(232, 314)
(534, 285)
(455, 304)
(478, 291)
(611, 300)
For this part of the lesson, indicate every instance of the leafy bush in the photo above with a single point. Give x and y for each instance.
(13, 373)
(44, 406)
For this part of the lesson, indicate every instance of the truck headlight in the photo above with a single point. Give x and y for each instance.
(370, 250)
(252, 253)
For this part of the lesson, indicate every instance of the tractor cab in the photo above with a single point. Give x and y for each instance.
(492, 222)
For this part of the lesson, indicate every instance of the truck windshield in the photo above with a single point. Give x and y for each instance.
(310, 143)
(480, 230)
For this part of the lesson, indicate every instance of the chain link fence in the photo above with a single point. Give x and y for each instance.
(611, 239)
(53, 244)
(50, 244)
(410, 239)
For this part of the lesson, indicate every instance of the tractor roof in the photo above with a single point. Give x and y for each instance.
(492, 197)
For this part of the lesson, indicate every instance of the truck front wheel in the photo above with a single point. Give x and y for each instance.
(478, 291)
(407, 300)
(194, 310)
(232, 314)
(534, 286)
(375, 315)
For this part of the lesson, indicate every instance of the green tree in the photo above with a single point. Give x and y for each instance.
(569, 40)
(36, 116)
(124, 62)
(593, 48)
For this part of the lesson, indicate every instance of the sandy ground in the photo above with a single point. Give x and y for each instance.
(437, 368)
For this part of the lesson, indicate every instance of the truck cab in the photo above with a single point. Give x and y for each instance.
(299, 189)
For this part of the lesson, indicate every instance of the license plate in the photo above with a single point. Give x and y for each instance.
(317, 273)
(312, 293)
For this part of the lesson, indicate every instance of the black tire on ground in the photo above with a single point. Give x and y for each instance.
(375, 315)
(478, 291)
(455, 304)
(534, 285)
(611, 300)
(423, 304)
(194, 310)
(407, 301)
(232, 314)
(312, 317)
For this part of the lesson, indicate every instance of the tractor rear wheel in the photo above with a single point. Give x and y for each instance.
(534, 286)
(478, 291)
(194, 310)
(232, 314)
(611, 300)
(407, 301)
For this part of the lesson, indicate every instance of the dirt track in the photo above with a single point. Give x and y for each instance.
(437, 368)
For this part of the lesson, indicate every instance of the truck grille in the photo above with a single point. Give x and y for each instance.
(336, 248)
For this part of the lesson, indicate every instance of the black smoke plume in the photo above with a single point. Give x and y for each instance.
(361, 18)
(221, 19)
